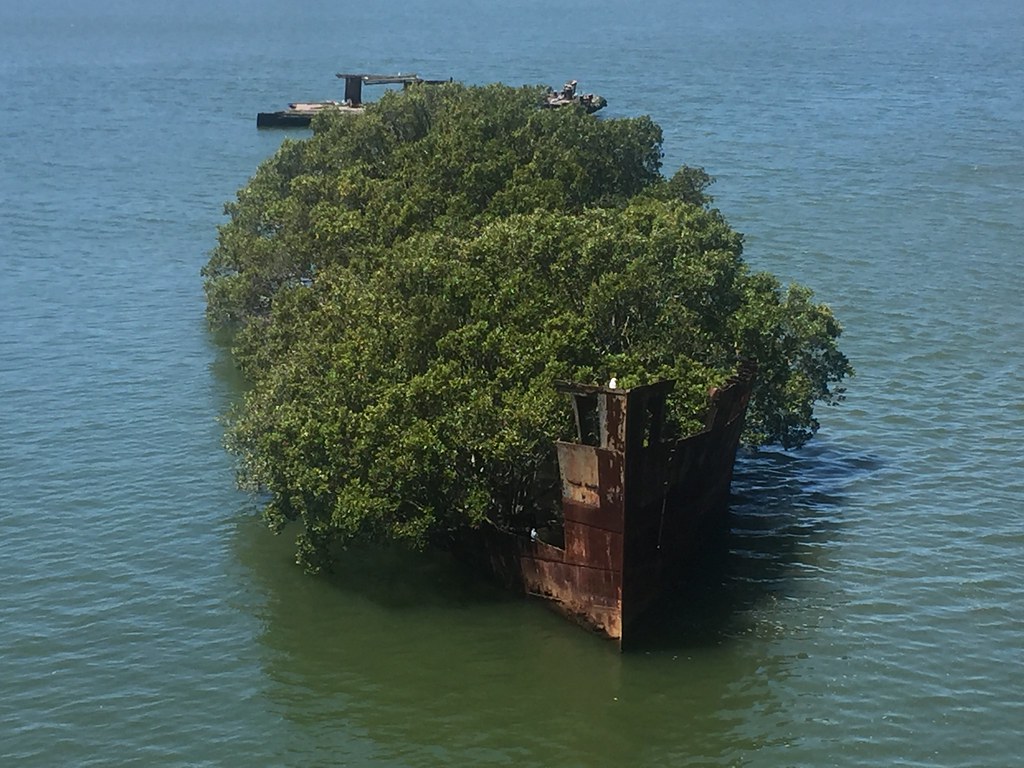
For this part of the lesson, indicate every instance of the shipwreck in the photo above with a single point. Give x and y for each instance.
(635, 505)
(568, 95)
(301, 113)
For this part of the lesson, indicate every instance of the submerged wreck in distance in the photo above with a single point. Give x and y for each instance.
(301, 114)
(590, 102)
(635, 506)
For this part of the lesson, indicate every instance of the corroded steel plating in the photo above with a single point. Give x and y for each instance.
(633, 503)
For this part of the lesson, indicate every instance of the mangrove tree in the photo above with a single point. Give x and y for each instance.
(403, 288)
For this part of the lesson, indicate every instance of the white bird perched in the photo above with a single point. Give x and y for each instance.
(613, 383)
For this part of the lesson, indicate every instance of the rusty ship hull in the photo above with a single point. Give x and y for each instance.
(635, 506)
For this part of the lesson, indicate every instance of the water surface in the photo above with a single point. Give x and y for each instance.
(868, 609)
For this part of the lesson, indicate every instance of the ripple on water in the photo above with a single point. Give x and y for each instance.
(866, 608)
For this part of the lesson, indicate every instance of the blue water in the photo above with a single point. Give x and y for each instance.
(870, 608)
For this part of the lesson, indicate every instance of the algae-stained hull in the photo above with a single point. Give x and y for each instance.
(634, 505)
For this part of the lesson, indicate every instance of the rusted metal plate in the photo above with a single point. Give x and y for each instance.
(607, 519)
(633, 506)
(593, 547)
(580, 482)
(541, 550)
(574, 582)
(590, 596)
(650, 472)
(611, 410)
(611, 470)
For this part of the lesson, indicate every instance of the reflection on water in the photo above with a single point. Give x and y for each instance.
(783, 518)
(861, 613)
(412, 659)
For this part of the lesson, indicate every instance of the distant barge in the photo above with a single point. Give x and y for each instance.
(635, 506)
(300, 114)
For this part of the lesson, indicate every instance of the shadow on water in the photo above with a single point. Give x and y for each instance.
(398, 579)
(785, 513)
(401, 661)
(410, 660)
(784, 516)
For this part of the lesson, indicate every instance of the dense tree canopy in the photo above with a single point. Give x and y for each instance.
(405, 286)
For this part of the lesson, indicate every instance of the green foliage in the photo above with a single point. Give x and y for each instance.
(406, 286)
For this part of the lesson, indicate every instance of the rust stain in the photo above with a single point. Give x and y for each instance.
(578, 465)
(633, 503)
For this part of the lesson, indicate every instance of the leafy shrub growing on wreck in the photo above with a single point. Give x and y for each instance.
(405, 286)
